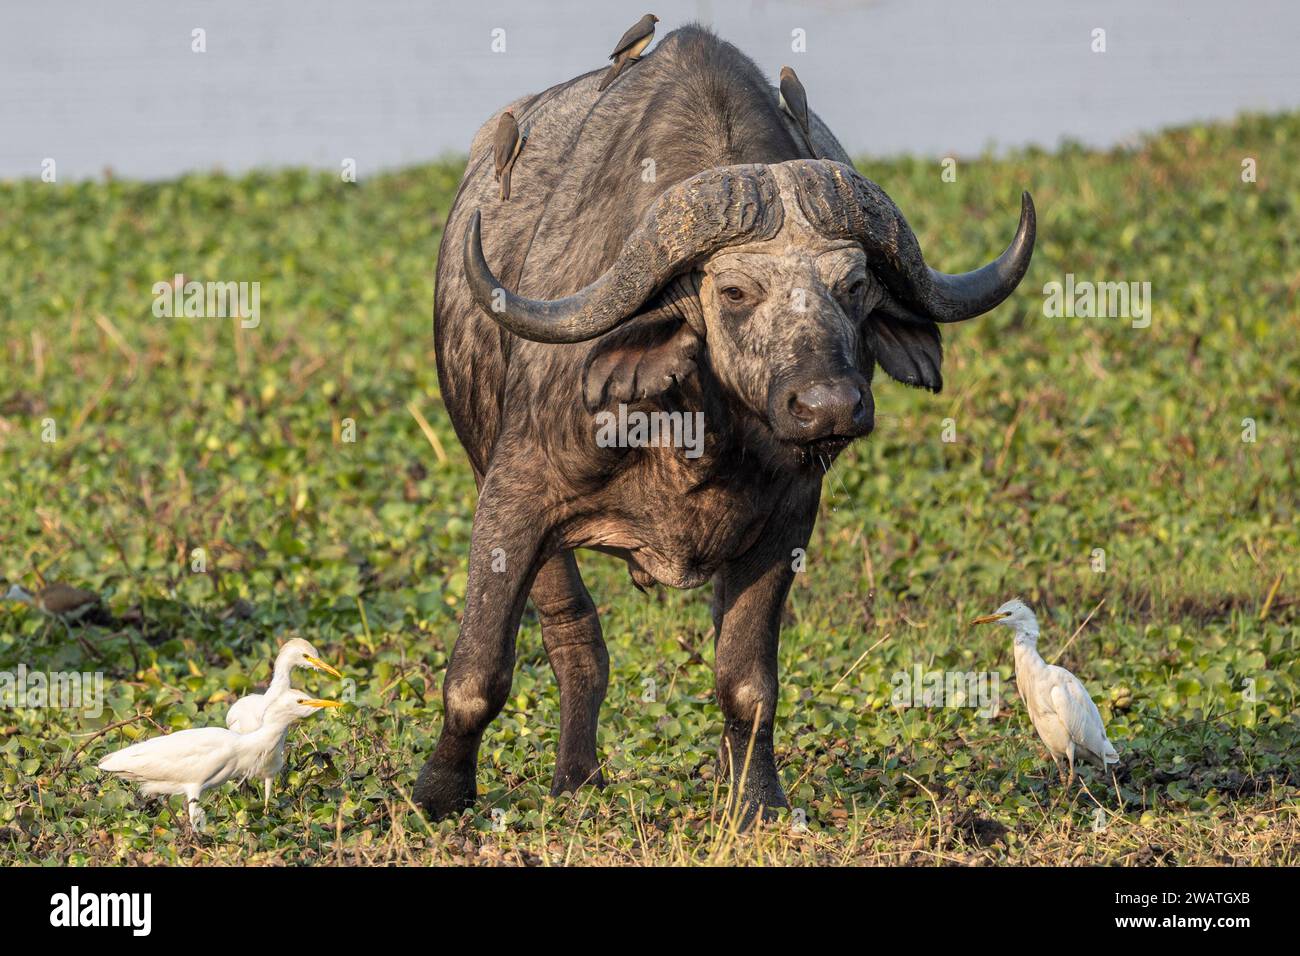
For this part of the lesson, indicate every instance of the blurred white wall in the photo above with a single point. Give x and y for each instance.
(394, 82)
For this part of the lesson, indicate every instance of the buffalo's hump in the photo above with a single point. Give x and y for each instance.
(593, 164)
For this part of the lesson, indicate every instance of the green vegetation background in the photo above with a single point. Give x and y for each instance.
(1071, 435)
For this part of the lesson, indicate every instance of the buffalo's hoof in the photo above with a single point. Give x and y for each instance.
(569, 779)
(757, 802)
(762, 795)
(444, 790)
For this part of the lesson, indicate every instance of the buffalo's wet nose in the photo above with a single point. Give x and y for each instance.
(831, 408)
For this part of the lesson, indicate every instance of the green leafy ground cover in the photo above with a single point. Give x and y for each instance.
(1071, 434)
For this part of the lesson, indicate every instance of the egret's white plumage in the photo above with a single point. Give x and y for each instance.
(1059, 706)
(245, 715)
(192, 761)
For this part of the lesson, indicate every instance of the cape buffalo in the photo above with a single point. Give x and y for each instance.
(668, 246)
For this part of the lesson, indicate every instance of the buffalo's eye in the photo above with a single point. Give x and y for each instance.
(857, 287)
(733, 294)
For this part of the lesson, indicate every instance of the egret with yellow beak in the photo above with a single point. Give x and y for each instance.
(246, 714)
(1065, 717)
(192, 761)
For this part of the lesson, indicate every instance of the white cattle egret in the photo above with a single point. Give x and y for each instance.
(246, 714)
(192, 761)
(1062, 712)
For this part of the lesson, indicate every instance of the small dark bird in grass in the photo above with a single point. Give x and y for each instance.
(630, 47)
(795, 103)
(506, 145)
(62, 601)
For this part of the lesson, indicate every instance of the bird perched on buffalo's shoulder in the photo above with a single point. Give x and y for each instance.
(506, 145)
(794, 101)
(630, 47)
(1059, 705)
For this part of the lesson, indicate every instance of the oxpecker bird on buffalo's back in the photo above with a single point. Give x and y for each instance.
(794, 101)
(745, 287)
(630, 47)
(505, 150)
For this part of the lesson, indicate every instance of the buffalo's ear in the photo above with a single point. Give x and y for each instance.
(643, 359)
(908, 351)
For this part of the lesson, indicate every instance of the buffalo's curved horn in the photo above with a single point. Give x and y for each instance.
(952, 298)
(689, 221)
(842, 203)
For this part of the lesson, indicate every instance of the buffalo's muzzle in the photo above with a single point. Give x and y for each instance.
(841, 409)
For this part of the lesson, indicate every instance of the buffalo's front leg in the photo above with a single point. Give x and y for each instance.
(576, 649)
(503, 560)
(749, 594)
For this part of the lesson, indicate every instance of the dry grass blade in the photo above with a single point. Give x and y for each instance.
(1077, 631)
(429, 433)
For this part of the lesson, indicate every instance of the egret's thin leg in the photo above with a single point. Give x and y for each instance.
(1060, 778)
(266, 794)
(171, 812)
